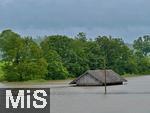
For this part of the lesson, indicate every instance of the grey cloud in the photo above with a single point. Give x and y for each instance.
(123, 18)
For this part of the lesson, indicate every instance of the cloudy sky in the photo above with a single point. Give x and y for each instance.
(120, 18)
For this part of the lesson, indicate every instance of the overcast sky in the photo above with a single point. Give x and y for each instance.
(120, 18)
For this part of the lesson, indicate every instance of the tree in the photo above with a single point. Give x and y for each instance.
(143, 63)
(10, 44)
(23, 57)
(117, 55)
(81, 36)
(142, 44)
(93, 55)
(56, 69)
(142, 52)
(70, 51)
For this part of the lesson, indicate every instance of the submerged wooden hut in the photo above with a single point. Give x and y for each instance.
(97, 78)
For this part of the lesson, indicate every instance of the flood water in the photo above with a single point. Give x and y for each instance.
(133, 97)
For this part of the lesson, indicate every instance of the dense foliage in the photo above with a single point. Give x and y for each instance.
(60, 57)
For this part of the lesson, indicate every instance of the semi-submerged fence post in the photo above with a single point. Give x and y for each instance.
(105, 75)
(105, 83)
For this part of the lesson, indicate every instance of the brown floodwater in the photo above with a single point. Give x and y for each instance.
(133, 97)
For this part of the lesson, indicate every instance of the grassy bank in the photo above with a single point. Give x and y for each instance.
(39, 82)
(134, 75)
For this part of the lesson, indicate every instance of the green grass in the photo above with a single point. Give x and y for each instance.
(133, 75)
(40, 81)
(45, 81)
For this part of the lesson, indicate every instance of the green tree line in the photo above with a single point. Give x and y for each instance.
(61, 57)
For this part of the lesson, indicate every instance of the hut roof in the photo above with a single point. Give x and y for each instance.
(111, 76)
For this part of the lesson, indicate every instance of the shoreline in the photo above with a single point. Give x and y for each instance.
(42, 81)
